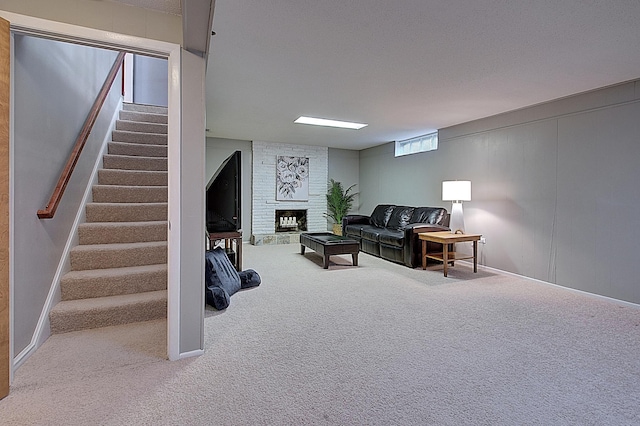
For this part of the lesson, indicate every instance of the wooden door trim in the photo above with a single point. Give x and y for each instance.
(5, 94)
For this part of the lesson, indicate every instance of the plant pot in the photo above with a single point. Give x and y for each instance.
(337, 229)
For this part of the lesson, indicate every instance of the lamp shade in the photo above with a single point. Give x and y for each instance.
(456, 190)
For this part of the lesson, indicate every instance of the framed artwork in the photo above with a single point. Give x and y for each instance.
(292, 178)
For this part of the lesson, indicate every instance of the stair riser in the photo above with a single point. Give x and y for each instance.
(133, 149)
(135, 126)
(132, 177)
(153, 109)
(106, 257)
(134, 163)
(98, 233)
(96, 212)
(129, 194)
(145, 117)
(74, 289)
(139, 138)
(81, 320)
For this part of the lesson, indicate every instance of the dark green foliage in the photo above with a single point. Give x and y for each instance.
(339, 201)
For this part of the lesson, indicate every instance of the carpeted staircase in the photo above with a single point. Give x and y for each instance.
(119, 269)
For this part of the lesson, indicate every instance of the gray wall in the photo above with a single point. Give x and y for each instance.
(192, 236)
(554, 188)
(150, 80)
(344, 167)
(53, 96)
(217, 151)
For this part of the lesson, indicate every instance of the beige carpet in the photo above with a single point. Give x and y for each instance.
(119, 266)
(377, 344)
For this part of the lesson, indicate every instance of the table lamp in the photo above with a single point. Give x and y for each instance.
(456, 191)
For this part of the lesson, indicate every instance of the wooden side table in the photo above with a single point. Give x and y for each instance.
(229, 238)
(445, 238)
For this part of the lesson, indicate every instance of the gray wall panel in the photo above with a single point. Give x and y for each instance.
(554, 188)
(344, 167)
(599, 201)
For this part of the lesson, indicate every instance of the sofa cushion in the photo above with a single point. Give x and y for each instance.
(430, 215)
(391, 237)
(371, 233)
(381, 214)
(400, 218)
(353, 230)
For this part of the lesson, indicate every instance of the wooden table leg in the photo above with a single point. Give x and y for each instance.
(475, 256)
(445, 257)
(424, 254)
(325, 258)
(239, 244)
(354, 259)
(301, 249)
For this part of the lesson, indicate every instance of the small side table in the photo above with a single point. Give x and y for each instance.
(229, 238)
(445, 238)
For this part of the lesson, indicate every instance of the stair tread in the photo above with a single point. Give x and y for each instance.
(151, 134)
(118, 246)
(132, 106)
(141, 145)
(114, 272)
(151, 115)
(149, 223)
(128, 204)
(141, 126)
(130, 136)
(150, 187)
(137, 157)
(128, 171)
(108, 302)
(140, 122)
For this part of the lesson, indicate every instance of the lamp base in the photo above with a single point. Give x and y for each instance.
(456, 220)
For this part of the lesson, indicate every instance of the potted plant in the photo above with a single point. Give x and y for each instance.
(339, 202)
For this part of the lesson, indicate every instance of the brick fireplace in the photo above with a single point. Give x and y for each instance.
(265, 222)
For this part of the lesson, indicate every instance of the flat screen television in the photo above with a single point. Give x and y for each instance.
(224, 197)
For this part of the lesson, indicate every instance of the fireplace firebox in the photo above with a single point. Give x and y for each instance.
(291, 220)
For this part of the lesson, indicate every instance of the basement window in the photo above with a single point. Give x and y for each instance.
(428, 142)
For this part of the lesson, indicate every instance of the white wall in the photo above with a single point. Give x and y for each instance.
(191, 205)
(554, 188)
(264, 202)
(53, 96)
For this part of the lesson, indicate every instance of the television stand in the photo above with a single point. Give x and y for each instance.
(230, 238)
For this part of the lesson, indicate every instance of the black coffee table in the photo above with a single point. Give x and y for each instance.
(327, 244)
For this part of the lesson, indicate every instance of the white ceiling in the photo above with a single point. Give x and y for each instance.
(406, 67)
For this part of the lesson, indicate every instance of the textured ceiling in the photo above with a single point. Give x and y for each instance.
(406, 67)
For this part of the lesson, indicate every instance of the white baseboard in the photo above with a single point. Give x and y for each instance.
(585, 293)
(191, 354)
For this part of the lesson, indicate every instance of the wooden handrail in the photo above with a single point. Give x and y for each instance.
(65, 176)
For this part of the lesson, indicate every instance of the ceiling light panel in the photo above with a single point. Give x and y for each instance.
(329, 123)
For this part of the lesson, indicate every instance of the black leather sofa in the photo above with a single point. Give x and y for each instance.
(391, 232)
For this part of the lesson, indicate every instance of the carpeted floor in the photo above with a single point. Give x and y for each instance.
(378, 344)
